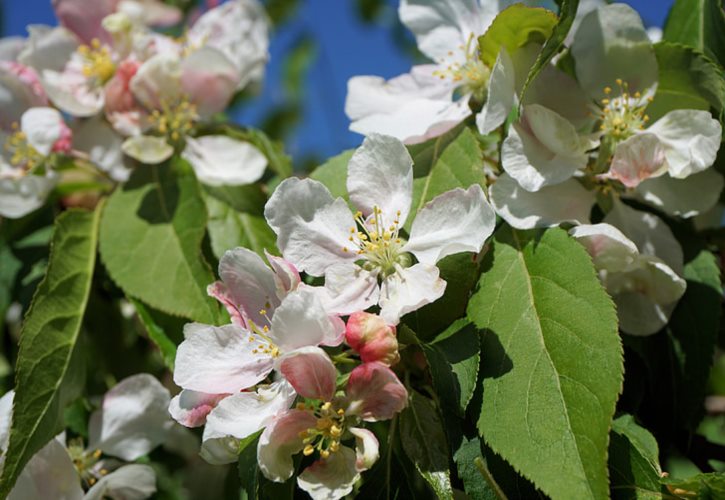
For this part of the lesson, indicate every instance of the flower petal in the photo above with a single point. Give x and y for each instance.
(72, 93)
(244, 413)
(367, 448)
(279, 441)
(348, 288)
(50, 473)
(19, 197)
(687, 197)
(84, 18)
(310, 371)
(301, 320)
(147, 149)
(312, 229)
(453, 222)
(286, 275)
(609, 248)
(380, 175)
(42, 127)
(550, 206)
(611, 43)
(103, 147)
(640, 157)
(501, 94)
(371, 337)
(691, 139)
(374, 392)
(19, 90)
(219, 160)
(220, 359)
(190, 408)
(48, 48)
(158, 80)
(209, 79)
(133, 418)
(409, 289)
(542, 149)
(331, 478)
(130, 482)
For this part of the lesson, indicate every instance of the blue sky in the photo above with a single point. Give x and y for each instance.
(346, 47)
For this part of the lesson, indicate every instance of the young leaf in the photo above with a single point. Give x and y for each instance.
(150, 242)
(552, 361)
(48, 369)
(633, 461)
(699, 24)
(423, 439)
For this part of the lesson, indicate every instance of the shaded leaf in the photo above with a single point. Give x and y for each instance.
(699, 24)
(156, 333)
(633, 461)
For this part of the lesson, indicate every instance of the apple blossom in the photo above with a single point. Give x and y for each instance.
(372, 338)
(364, 257)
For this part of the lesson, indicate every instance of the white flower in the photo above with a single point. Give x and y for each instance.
(363, 256)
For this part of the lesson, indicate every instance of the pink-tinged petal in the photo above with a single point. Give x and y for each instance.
(151, 12)
(372, 338)
(455, 221)
(190, 408)
(85, 18)
(301, 320)
(409, 289)
(367, 448)
(375, 393)
(638, 158)
(244, 413)
(20, 89)
(121, 106)
(209, 79)
(221, 359)
(331, 478)
(286, 275)
(280, 441)
(380, 175)
(133, 418)
(158, 80)
(50, 473)
(312, 228)
(310, 371)
(610, 250)
(219, 291)
(349, 288)
(130, 482)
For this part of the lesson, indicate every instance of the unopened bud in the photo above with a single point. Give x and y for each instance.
(372, 338)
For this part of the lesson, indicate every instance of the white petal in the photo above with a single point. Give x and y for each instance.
(542, 149)
(130, 482)
(103, 147)
(209, 79)
(380, 174)
(219, 160)
(691, 139)
(286, 275)
(6, 415)
(43, 127)
(609, 248)
(48, 48)
(501, 94)
(348, 288)
(220, 359)
(190, 408)
(367, 448)
(687, 197)
(158, 80)
(71, 91)
(651, 235)
(569, 100)
(147, 149)
(301, 320)
(133, 418)
(640, 157)
(550, 206)
(49, 474)
(611, 43)
(279, 441)
(18, 92)
(19, 197)
(312, 229)
(332, 478)
(242, 414)
(409, 289)
(456, 221)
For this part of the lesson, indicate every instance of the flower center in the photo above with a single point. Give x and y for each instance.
(379, 245)
(268, 346)
(21, 153)
(622, 116)
(472, 75)
(324, 437)
(97, 62)
(174, 120)
(85, 462)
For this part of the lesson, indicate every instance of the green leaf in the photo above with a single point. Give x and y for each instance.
(633, 461)
(687, 80)
(49, 368)
(514, 27)
(247, 465)
(553, 43)
(453, 357)
(702, 486)
(423, 439)
(468, 460)
(150, 242)
(333, 174)
(552, 361)
(9, 270)
(158, 336)
(229, 228)
(699, 24)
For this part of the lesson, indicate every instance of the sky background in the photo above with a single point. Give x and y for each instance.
(345, 46)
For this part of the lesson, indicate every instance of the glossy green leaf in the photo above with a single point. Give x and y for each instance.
(333, 174)
(633, 461)
(552, 361)
(247, 465)
(514, 27)
(49, 369)
(699, 24)
(229, 228)
(150, 242)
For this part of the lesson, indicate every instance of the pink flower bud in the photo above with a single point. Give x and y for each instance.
(372, 338)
